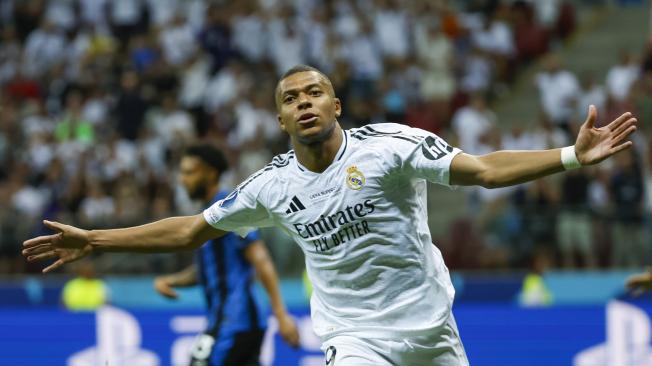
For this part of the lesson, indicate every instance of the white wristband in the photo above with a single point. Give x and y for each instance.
(569, 158)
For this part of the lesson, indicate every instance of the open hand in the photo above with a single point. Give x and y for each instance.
(68, 244)
(596, 144)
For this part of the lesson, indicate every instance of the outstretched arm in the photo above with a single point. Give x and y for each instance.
(164, 285)
(506, 168)
(257, 255)
(70, 243)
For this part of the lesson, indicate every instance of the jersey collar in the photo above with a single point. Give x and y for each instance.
(338, 156)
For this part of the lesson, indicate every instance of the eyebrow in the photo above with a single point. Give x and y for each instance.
(295, 90)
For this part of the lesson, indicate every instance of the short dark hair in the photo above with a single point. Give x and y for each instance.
(210, 155)
(302, 68)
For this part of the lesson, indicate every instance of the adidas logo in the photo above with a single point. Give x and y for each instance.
(295, 206)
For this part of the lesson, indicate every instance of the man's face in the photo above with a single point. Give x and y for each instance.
(307, 107)
(196, 176)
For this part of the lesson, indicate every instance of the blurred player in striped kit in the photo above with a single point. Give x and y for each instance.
(225, 268)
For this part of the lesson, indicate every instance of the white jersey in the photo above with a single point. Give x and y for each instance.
(363, 227)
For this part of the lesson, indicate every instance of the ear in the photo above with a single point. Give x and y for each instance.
(338, 107)
(280, 122)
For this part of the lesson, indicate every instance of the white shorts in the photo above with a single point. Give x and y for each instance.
(442, 348)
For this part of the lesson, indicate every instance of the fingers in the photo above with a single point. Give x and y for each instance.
(618, 121)
(37, 249)
(165, 289)
(637, 286)
(169, 293)
(623, 135)
(43, 256)
(591, 117)
(289, 331)
(45, 239)
(639, 283)
(635, 280)
(54, 225)
(292, 338)
(295, 339)
(621, 147)
(54, 266)
(624, 126)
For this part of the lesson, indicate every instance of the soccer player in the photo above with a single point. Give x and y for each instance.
(225, 269)
(354, 201)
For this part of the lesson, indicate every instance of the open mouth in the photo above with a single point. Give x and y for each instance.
(307, 118)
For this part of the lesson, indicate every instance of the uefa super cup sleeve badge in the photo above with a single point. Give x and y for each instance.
(354, 179)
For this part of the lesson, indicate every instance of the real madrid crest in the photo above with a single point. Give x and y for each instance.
(354, 178)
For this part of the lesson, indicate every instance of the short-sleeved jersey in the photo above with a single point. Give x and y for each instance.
(227, 278)
(362, 225)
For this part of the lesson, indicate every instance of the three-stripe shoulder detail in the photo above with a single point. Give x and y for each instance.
(279, 161)
(366, 132)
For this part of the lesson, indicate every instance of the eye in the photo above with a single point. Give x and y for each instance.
(288, 99)
(315, 93)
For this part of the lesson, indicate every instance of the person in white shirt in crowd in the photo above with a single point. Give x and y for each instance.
(494, 37)
(162, 12)
(391, 27)
(347, 19)
(472, 123)
(93, 12)
(194, 81)
(248, 31)
(172, 124)
(225, 86)
(477, 72)
(546, 11)
(364, 54)
(97, 206)
(319, 40)
(125, 17)
(435, 54)
(62, 13)
(178, 40)
(285, 46)
(558, 92)
(621, 76)
(10, 54)
(195, 11)
(44, 48)
(590, 93)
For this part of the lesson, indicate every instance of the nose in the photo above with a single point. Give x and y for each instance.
(304, 101)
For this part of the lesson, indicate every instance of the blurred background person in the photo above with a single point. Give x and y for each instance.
(86, 291)
(225, 269)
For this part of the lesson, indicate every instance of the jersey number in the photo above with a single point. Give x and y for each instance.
(435, 149)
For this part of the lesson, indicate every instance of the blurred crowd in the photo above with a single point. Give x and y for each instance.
(98, 99)
(599, 216)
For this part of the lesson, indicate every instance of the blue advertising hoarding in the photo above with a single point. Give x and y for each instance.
(617, 334)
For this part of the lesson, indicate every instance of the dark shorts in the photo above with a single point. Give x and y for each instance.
(237, 349)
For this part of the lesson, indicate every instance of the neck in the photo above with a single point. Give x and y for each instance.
(211, 192)
(319, 156)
